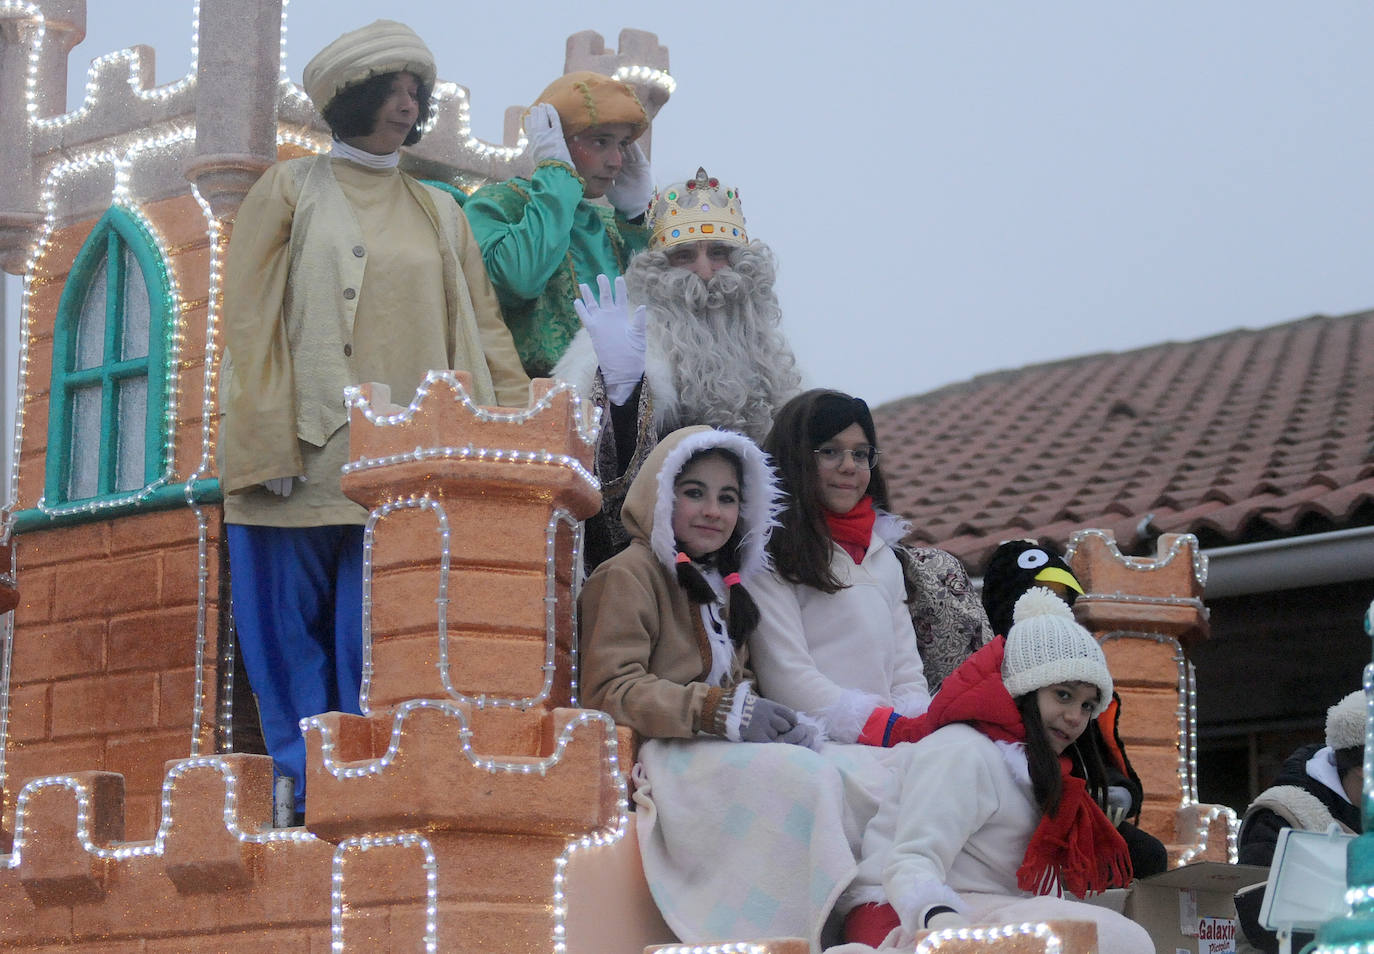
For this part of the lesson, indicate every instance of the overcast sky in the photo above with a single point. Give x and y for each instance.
(959, 187)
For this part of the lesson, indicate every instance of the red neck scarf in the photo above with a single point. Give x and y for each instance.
(1076, 846)
(853, 531)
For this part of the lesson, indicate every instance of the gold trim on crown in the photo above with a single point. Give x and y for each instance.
(699, 209)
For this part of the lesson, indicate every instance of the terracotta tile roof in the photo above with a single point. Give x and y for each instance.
(1248, 435)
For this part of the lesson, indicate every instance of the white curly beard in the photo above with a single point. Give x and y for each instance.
(716, 354)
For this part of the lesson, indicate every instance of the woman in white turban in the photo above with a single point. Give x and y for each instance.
(341, 270)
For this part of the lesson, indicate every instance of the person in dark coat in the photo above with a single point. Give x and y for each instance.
(1318, 786)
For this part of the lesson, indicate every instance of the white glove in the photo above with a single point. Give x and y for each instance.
(617, 336)
(282, 486)
(634, 184)
(544, 130)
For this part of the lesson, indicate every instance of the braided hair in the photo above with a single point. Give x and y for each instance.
(743, 616)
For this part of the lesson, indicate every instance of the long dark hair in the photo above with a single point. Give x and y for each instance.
(1046, 783)
(800, 545)
(744, 612)
(353, 112)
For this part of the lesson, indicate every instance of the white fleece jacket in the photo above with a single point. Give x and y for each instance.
(839, 655)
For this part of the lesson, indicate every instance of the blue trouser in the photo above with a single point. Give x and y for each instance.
(298, 610)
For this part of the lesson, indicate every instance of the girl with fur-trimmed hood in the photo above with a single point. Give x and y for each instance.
(665, 621)
(666, 627)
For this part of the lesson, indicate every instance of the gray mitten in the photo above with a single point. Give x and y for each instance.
(1118, 803)
(803, 735)
(766, 721)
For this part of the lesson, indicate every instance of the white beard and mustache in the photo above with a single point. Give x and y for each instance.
(716, 354)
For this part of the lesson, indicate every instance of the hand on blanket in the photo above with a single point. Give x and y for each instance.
(802, 734)
(768, 721)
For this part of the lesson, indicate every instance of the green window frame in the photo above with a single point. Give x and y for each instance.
(109, 368)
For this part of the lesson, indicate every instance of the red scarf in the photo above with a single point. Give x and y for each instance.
(853, 531)
(1077, 845)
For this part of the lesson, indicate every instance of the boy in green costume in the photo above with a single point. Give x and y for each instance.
(542, 236)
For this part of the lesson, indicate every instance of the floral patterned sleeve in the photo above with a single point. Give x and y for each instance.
(946, 612)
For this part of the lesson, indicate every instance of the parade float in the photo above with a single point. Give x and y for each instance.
(473, 806)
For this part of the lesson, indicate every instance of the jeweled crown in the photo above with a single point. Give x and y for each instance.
(696, 210)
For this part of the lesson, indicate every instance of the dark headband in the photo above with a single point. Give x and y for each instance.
(833, 413)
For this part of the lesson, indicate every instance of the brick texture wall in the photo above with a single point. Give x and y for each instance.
(106, 649)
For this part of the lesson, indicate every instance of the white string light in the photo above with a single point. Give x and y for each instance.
(365, 843)
(646, 74)
(7, 634)
(737, 947)
(585, 430)
(120, 159)
(986, 935)
(1180, 543)
(158, 845)
(135, 67)
(1185, 743)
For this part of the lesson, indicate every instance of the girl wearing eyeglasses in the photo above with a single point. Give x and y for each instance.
(835, 638)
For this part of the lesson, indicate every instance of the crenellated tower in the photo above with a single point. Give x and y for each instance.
(131, 805)
(1148, 614)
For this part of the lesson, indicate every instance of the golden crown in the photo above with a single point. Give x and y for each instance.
(696, 210)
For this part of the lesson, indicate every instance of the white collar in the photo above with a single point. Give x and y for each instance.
(342, 150)
(1321, 767)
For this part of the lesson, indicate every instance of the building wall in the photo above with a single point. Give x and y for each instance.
(1274, 664)
(117, 634)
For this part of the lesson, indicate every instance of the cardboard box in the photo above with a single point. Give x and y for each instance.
(1189, 910)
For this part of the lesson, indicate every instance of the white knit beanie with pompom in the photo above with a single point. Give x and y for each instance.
(1046, 646)
(1345, 722)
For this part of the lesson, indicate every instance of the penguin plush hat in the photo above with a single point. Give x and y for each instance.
(1014, 568)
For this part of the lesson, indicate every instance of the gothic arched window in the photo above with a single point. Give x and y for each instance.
(106, 419)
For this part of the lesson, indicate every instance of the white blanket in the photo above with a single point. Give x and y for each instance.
(743, 841)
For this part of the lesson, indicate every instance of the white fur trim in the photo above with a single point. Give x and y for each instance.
(820, 738)
(890, 528)
(1014, 754)
(658, 376)
(1302, 810)
(1345, 722)
(913, 702)
(844, 718)
(759, 509)
(578, 365)
(736, 717)
(857, 894)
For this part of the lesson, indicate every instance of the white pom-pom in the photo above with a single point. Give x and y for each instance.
(1039, 601)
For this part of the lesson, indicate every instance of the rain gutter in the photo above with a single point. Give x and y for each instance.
(1317, 559)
